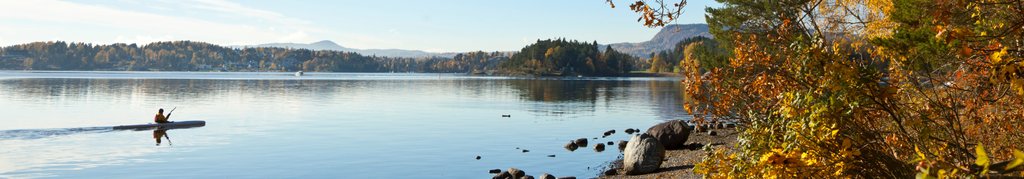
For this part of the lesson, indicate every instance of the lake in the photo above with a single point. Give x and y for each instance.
(320, 125)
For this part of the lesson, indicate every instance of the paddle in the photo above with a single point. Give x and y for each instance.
(169, 116)
(169, 143)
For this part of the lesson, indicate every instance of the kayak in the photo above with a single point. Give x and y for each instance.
(175, 124)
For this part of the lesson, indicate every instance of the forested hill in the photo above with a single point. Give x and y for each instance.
(330, 45)
(562, 57)
(665, 40)
(190, 56)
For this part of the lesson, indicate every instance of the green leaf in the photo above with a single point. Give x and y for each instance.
(1019, 158)
(982, 158)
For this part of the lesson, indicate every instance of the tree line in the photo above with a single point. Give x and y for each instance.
(201, 56)
(547, 57)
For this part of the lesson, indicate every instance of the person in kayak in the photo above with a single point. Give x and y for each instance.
(159, 118)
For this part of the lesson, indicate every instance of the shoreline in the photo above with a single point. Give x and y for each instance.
(679, 161)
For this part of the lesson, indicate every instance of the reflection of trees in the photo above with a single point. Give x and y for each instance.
(564, 90)
(76, 89)
(665, 97)
(669, 98)
(551, 97)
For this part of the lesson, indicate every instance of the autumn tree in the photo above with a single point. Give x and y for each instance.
(833, 88)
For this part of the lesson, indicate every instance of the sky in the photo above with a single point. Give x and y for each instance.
(433, 26)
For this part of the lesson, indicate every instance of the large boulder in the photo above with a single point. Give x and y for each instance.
(671, 134)
(644, 154)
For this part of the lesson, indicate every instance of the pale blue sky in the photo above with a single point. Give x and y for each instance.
(436, 26)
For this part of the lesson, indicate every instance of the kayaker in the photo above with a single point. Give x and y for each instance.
(160, 133)
(159, 118)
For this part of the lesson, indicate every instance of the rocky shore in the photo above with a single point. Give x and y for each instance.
(667, 150)
(679, 161)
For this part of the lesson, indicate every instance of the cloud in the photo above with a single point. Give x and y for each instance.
(297, 36)
(74, 14)
(72, 21)
(235, 8)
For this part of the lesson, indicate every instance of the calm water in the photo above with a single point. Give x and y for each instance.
(322, 125)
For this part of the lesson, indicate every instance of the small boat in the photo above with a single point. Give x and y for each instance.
(176, 124)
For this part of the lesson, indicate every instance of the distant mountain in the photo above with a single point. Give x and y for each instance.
(666, 39)
(329, 45)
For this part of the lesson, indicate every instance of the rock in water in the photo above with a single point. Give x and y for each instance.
(527, 177)
(571, 146)
(551, 155)
(494, 171)
(569, 177)
(610, 172)
(525, 151)
(478, 157)
(581, 142)
(629, 131)
(671, 134)
(644, 154)
(516, 173)
(622, 145)
(611, 143)
(599, 147)
(547, 176)
(502, 175)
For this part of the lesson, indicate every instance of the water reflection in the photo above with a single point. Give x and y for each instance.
(289, 123)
